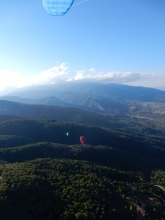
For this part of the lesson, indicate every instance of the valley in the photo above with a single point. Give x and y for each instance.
(46, 173)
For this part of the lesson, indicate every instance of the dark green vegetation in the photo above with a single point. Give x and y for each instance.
(119, 173)
(61, 189)
(45, 174)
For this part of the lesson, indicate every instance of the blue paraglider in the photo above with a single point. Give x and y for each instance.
(57, 7)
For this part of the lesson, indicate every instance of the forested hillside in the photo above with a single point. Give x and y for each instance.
(119, 173)
(45, 173)
(52, 131)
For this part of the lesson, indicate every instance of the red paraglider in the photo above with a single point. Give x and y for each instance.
(82, 139)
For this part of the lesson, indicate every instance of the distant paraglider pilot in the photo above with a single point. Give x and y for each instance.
(82, 139)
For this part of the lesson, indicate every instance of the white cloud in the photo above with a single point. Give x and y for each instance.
(17, 80)
(92, 70)
(53, 75)
(111, 77)
(50, 76)
(10, 79)
(61, 73)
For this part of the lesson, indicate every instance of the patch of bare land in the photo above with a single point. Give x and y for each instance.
(148, 113)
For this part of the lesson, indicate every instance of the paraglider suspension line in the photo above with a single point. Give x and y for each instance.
(80, 2)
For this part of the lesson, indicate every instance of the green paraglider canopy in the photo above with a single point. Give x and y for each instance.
(57, 7)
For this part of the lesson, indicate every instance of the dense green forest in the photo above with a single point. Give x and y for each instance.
(45, 173)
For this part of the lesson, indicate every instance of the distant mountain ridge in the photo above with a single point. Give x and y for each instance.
(111, 98)
(117, 92)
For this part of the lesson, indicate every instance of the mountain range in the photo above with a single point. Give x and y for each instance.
(101, 98)
(45, 173)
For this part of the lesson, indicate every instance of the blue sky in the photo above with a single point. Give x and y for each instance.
(121, 41)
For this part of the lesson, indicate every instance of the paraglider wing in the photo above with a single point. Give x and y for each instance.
(82, 139)
(57, 7)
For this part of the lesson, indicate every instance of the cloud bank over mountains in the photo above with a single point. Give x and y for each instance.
(111, 77)
(62, 73)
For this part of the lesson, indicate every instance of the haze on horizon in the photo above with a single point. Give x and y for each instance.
(119, 41)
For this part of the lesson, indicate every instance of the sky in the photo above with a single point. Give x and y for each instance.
(107, 41)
